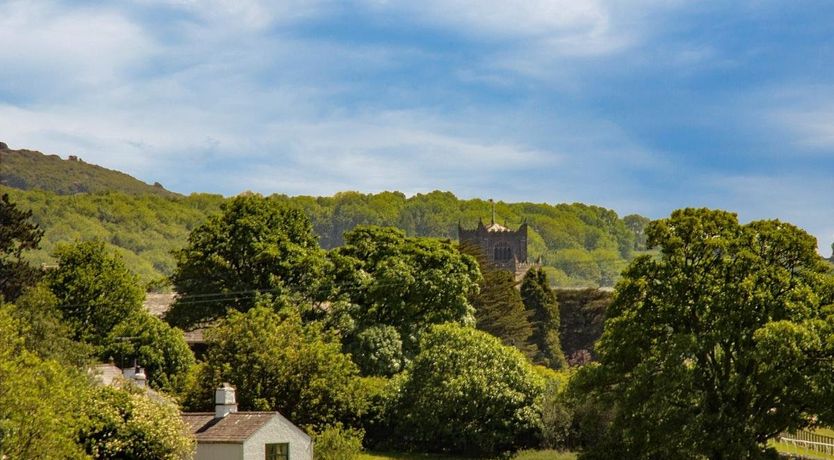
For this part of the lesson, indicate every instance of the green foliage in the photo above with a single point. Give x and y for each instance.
(27, 170)
(544, 455)
(155, 345)
(557, 410)
(403, 282)
(278, 364)
(336, 442)
(724, 333)
(257, 246)
(540, 300)
(95, 290)
(637, 224)
(39, 401)
(465, 392)
(146, 228)
(378, 350)
(17, 234)
(43, 331)
(499, 309)
(133, 426)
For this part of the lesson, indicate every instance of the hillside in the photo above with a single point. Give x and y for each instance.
(31, 170)
(579, 245)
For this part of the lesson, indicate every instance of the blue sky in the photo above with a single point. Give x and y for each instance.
(641, 106)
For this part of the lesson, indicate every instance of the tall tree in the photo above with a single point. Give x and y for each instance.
(499, 309)
(540, 300)
(717, 345)
(17, 234)
(276, 363)
(95, 289)
(257, 246)
(404, 282)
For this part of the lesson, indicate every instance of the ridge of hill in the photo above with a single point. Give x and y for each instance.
(32, 170)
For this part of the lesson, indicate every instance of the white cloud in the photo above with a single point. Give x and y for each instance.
(66, 47)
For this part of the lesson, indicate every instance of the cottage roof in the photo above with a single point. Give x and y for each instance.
(235, 427)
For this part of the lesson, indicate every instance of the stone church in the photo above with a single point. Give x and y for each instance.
(504, 248)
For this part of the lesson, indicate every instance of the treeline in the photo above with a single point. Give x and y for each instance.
(580, 245)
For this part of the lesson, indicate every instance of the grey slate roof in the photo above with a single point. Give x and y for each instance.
(235, 427)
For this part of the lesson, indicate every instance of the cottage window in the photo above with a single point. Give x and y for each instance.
(279, 451)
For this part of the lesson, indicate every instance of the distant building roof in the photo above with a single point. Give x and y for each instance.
(496, 227)
(235, 427)
(106, 373)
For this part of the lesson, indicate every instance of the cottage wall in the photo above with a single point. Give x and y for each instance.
(220, 451)
(279, 430)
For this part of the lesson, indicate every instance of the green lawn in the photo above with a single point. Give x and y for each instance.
(524, 455)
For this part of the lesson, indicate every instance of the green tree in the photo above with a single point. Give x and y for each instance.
(278, 364)
(43, 331)
(378, 350)
(156, 346)
(467, 393)
(257, 246)
(637, 224)
(17, 234)
(718, 344)
(499, 309)
(407, 283)
(540, 300)
(39, 401)
(95, 290)
(130, 425)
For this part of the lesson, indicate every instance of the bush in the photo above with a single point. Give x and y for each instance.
(337, 443)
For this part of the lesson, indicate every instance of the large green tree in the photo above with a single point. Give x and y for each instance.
(94, 288)
(276, 363)
(403, 282)
(128, 424)
(467, 393)
(17, 234)
(156, 346)
(540, 300)
(499, 308)
(256, 247)
(39, 400)
(718, 344)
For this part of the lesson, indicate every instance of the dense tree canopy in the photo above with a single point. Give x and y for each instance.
(717, 345)
(467, 393)
(95, 290)
(43, 330)
(17, 234)
(128, 424)
(154, 345)
(276, 363)
(258, 246)
(39, 401)
(144, 229)
(403, 282)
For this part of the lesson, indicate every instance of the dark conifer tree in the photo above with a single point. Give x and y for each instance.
(499, 309)
(540, 301)
(17, 234)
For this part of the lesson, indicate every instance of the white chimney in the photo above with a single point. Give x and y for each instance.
(224, 401)
(140, 378)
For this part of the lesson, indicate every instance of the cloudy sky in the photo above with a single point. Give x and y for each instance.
(641, 106)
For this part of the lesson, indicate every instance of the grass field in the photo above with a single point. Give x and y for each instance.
(524, 455)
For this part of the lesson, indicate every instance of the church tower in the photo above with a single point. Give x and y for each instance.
(503, 248)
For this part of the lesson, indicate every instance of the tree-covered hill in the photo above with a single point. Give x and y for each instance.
(580, 245)
(31, 170)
